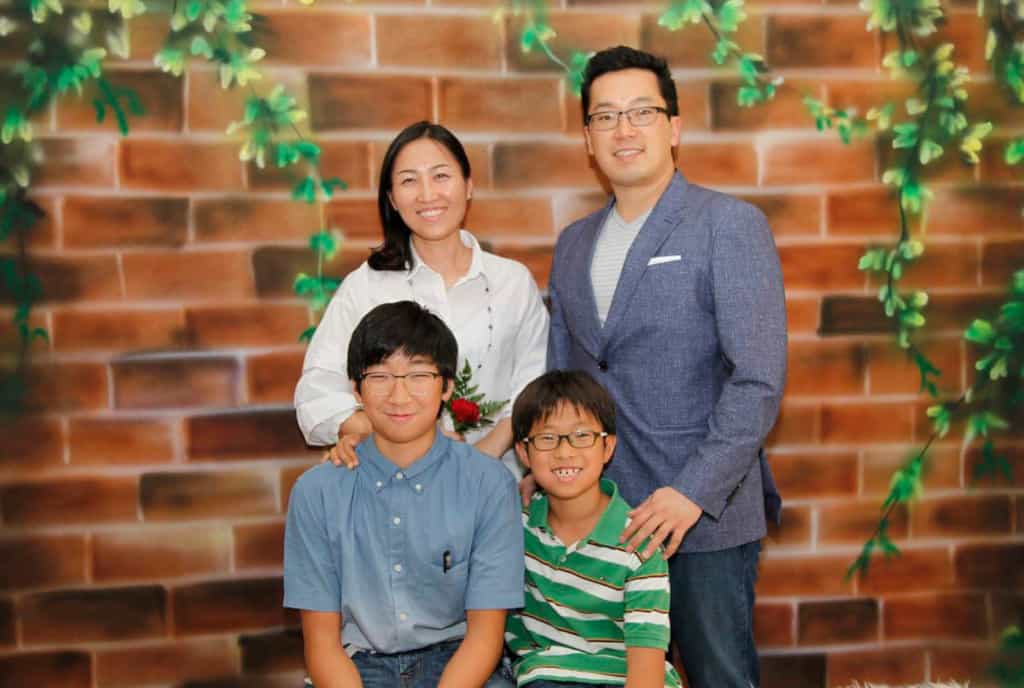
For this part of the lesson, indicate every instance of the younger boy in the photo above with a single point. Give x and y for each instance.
(403, 570)
(595, 614)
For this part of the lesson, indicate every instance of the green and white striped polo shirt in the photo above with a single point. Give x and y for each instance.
(587, 603)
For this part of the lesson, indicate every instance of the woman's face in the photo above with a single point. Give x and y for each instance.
(428, 190)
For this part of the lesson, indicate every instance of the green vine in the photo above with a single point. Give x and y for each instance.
(536, 33)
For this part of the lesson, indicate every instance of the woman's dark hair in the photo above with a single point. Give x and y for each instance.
(401, 327)
(544, 395)
(623, 57)
(394, 253)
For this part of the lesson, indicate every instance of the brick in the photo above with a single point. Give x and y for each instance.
(75, 162)
(355, 218)
(271, 378)
(585, 32)
(212, 108)
(318, 38)
(862, 212)
(148, 35)
(511, 217)
(942, 469)
(912, 570)
(411, 41)
(345, 160)
(818, 42)
(958, 663)
(866, 423)
(243, 218)
(528, 165)
(795, 530)
(67, 387)
(890, 371)
(796, 424)
(503, 104)
(975, 210)
(822, 266)
(1000, 259)
(82, 278)
(572, 207)
(272, 652)
(816, 368)
(172, 383)
(120, 441)
(837, 621)
(58, 669)
(77, 500)
(248, 435)
(773, 624)
(165, 663)
(341, 101)
(789, 214)
(109, 614)
(994, 167)
(159, 553)
(989, 103)
(1014, 456)
(259, 545)
(718, 164)
(1007, 609)
(807, 476)
(950, 168)
(956, 311)
(853, 315)
(43, 234)
(960, 516)
(692, 47)
(179, 165)
(537, 259)
(188, 275)
(785, 111)
(798, 161)
(962, 30)
(287, 481)
(39, 561)
(852, 523)
(793, 671)
(28, 442)
(998, 566)
(275, 267)
(952, 616)
(896, 666)
(803, 575)
(802, 315)
(8, 625)
(246, 325)
(946, 264)
(124, 222)
(185, 496)
(288, 680)
(218, 606)
(118, 330)
(159, 94)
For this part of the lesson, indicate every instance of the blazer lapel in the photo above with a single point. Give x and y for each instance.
(585, 325)
(664, 218)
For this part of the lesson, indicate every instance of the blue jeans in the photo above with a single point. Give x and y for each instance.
(558, 684)
(712, 616)
(416, 669)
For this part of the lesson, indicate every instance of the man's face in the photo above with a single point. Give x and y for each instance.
(628, 155)
(402, 410)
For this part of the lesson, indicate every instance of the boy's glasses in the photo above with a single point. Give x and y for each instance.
(418, 383)
(578, 439)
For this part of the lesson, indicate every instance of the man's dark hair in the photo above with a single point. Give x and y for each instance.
(401, 327)
(623, 57)
(395, 253)
(544, 395)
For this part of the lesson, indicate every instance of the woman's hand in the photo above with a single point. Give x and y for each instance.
(451, 433)
(350, 433)
(498, 440)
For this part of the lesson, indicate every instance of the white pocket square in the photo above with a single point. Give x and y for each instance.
(658, 260)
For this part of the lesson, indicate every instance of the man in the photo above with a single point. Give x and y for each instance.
(671, 296)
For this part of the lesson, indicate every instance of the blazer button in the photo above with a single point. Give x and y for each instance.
(603, 365)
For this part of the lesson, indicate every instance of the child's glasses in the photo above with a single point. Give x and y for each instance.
(579, 439)
(418, 383)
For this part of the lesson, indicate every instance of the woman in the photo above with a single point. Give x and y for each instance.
(490, 303)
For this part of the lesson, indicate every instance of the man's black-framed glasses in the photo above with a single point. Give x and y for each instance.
(642, 116)
(579, 439)
(417, 383)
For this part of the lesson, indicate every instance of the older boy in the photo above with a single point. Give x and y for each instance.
(595, 614)
(403, 570)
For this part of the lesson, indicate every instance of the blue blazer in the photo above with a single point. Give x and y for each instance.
(693, 352)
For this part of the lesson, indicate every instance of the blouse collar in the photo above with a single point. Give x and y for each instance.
(476, 264)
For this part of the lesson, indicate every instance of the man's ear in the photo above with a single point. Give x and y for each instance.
(355, 392)
(590, 147)
(677, 125)
(609, 447)
(449, 388)
(523, 454)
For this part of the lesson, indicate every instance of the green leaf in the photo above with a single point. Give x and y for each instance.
(307, 334)
(980, 332)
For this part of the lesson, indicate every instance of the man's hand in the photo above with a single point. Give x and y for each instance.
(527, 486)
(667, 512)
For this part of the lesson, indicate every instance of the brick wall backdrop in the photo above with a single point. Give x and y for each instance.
(143, 500)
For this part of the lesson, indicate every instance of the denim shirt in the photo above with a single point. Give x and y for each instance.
(403, 553)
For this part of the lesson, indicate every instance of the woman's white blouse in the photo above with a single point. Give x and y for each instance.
(323, 397)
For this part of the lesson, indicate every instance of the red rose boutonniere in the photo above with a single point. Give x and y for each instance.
(467, 407)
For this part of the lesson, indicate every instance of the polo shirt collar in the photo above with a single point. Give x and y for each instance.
(608, 527)
(381, 469)
(476, 264)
